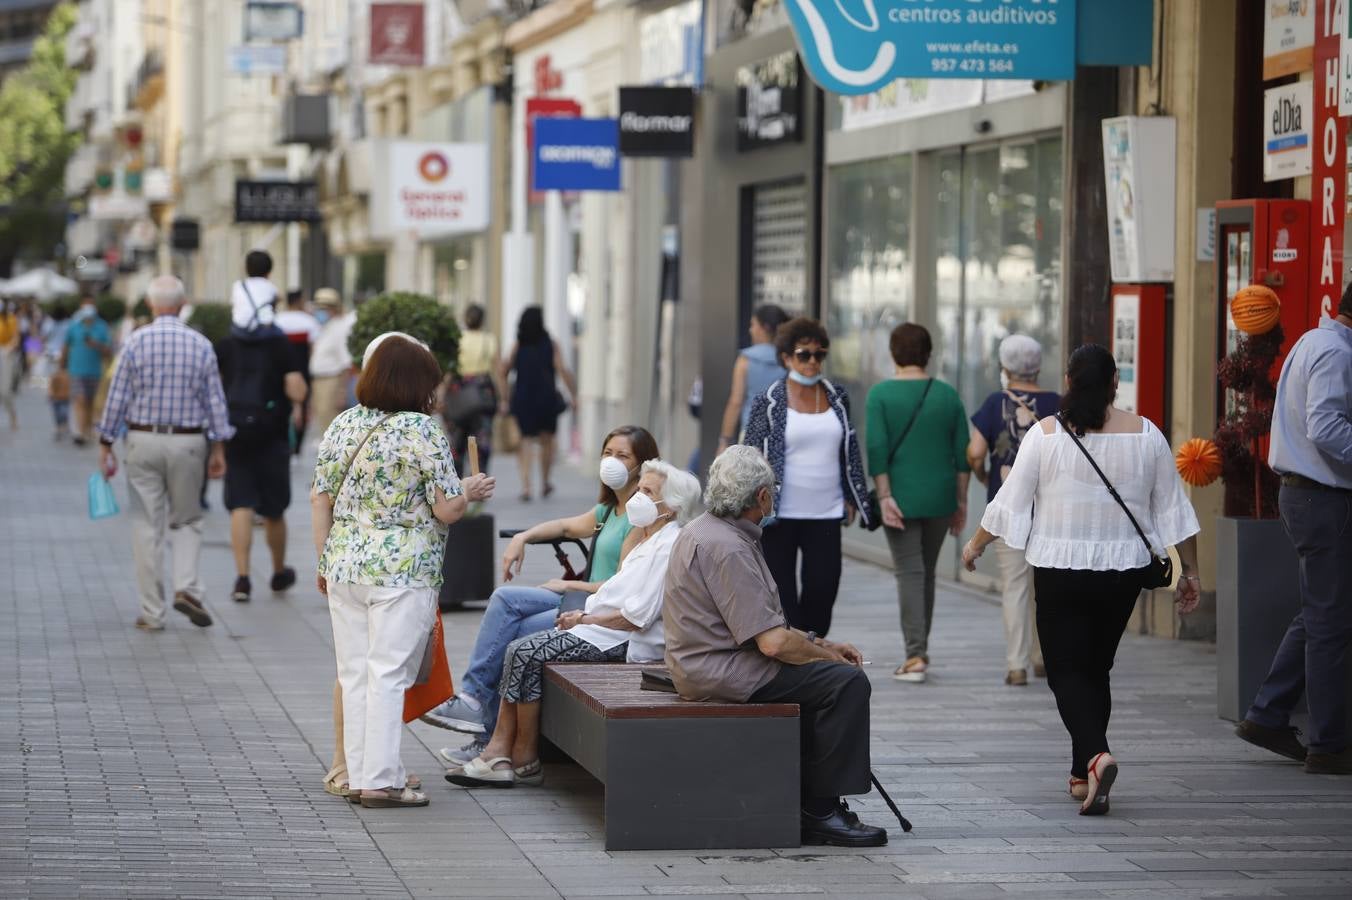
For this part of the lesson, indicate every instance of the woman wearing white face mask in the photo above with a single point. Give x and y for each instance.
(514, 612)
(802, 425)
(622, 621)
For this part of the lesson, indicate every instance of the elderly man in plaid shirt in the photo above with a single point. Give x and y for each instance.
(167, 394)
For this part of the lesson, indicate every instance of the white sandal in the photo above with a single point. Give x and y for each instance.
(480, 772)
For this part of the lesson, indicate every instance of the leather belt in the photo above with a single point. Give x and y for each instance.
(164, 429)
(1292, 480)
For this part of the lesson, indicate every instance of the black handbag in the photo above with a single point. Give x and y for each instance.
(875, 506)
(1159, 572)
(470, 398)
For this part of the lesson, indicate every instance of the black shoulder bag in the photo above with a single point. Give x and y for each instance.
(1159, 572)
(875, 507)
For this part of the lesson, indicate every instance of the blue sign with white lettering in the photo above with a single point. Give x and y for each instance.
(858, 46)
(576, 154)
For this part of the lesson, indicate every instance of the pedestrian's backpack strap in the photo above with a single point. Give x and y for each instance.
(353, 458)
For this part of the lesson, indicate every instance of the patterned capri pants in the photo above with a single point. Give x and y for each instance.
(523, 669)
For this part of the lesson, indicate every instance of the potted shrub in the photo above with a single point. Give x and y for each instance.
(1257, 571)
(211, 319)
(470, 547)
(111, 308)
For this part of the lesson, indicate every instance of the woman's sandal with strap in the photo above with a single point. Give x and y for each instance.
(414, 783)
(394, 799)
(1079, 788)
(480, 772)
(1102, 774)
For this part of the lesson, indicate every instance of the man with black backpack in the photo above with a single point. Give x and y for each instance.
(262, 379)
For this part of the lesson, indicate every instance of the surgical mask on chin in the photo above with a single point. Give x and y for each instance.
(1004, 380)
(641, 510)
(805, 380)
(767, 520)
(614, 474)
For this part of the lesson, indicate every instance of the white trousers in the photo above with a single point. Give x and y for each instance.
(378, 637)
(164, 478)
(1022, 648)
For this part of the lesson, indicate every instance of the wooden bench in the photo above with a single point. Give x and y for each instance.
(678, 775)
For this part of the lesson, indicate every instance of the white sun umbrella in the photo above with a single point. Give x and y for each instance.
(41, 284)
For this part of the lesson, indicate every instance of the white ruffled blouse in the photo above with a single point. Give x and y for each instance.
(1056, 508)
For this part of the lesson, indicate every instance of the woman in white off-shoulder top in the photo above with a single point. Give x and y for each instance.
(1087, 558)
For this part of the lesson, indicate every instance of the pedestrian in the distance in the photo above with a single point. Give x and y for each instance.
(166, 393)
(1312, 451)
(302, 331)
(536, 402)
(88, 343)
(802, 424)
(330, 360)
(11, 348)
(1089, 559)
(253, 299)
(473, 399)
(757, 367)
(917, 436)
(385, 489)
(998, 428)
(263, 379)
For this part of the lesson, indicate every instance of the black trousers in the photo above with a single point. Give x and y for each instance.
(818, 542)
(1081, 615)
(833, 713)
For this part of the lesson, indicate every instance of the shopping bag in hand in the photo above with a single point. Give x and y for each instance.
(102, 503)
(427, 696)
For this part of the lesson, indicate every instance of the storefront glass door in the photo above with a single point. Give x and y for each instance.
(997, 268)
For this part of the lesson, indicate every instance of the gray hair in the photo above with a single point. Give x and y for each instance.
(735, 478)
(680, 490)
(166, 292)
(1021, 355)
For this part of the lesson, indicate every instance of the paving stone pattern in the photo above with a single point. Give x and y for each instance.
(188, 763)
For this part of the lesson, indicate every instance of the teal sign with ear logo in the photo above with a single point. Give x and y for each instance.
(858, 46)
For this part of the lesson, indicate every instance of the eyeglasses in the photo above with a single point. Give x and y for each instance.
(804, 355)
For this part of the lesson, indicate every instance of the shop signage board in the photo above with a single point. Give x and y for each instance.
(1329, 190)
(1345, 62)
(908, 98)
(657, 121)
(1126, 342)
(577, 155)
(1139, 176)
(397, 35)
(271, 21)
(1288, 115)
(276, 201)
(536, 108)
(431, 188)
(257, 59)
(857, 46)
(671, 45)
(1288, 37)
(769, 102)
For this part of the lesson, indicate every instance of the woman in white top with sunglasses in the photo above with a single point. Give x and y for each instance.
(1089, 560)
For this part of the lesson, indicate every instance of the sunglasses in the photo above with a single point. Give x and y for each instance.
(806, 355)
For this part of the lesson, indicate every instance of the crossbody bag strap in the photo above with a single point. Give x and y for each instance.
(596, 536)
(1021, 402)
(1112, 490)
(353, 458)
(907, 430)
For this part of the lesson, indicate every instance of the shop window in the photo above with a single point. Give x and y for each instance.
(775, 264)
(869, 275)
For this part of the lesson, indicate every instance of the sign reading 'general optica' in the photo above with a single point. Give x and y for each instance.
(857, 46)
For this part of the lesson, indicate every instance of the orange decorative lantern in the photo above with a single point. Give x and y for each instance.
(1198, 462)
(1255, 309)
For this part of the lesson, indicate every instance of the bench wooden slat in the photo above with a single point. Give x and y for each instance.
(611, 690)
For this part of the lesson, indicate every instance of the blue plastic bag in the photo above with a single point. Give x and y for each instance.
(102, 503)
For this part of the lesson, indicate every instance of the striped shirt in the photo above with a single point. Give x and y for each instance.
(167, 375)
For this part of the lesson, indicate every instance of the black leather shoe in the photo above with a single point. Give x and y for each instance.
(1281, 741)
(1329, 763)
(841, 828)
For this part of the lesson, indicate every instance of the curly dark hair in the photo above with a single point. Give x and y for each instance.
(910, 345)
(795, 331)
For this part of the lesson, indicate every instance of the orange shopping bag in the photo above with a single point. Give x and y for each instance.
(438, 688)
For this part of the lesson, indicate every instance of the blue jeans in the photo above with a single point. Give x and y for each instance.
(1313, 655)
(513, 612)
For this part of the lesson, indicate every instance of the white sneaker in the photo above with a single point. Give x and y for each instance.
(464, 754)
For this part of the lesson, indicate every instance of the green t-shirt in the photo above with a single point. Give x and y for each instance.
(925, 470)
(609, 542)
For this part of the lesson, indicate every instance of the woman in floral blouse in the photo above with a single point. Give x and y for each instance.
(385, 490)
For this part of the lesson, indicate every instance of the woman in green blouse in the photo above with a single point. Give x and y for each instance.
(917, 452)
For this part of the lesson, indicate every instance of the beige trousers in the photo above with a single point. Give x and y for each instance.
(328, 397)
(164, 475)
(1022, 648)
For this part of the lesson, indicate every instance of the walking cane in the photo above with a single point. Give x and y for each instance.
(905, 825)
(473, 453)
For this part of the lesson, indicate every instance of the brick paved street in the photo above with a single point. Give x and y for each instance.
(188, 763)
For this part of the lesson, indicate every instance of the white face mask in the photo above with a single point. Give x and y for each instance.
(641, 510)
(1004, 379)
(614, 474)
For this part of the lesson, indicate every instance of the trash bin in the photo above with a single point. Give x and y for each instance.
(468, 567)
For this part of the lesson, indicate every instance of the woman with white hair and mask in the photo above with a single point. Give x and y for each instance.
(998, 428)
(385, 490)
(622, 621)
